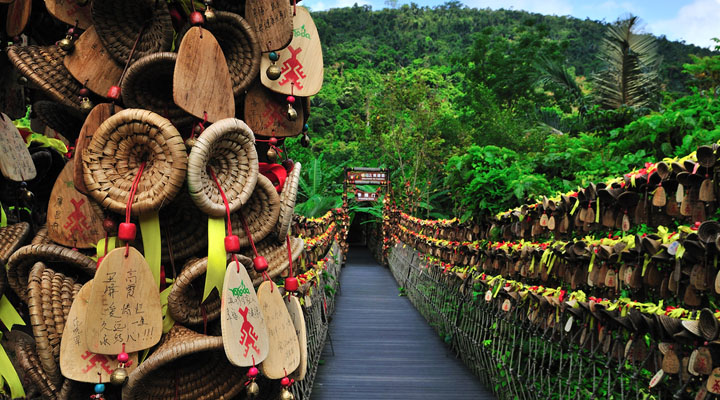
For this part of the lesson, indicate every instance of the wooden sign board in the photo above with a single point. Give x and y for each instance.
(284, 355)
(70, 12)
(15, 161)
(71, 221)
(272, 22)
(301, 62)
(94, 119)
(245, 336)
(296, 315)
(201, 80)
(378, 177)
(124, 305)
(76, 361)
(18, 15)
(90, 64)
(365, 196)
(266, 113)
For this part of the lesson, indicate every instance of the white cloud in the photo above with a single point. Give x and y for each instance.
(321, 5)
(695, 23)
(557, 7)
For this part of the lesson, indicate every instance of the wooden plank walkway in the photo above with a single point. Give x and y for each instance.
(384, 348)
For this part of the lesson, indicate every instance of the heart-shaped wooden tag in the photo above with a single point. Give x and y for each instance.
(70, 12)
(90, 64)
(296, 315)
(15, 161)
(201, 80)
(245, 336)
(272, 21)
(76, 361)
(266, 113)
(124, 305)
(284, 355)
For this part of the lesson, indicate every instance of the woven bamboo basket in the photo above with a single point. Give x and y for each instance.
(287, 202)
(12, 237)
(261, 213)
(41, 236)
(60, 117)
(30, 367)
(120, 23)
(276, 255)
(148, 84)
(239, 45)
(183, 229)
(43, 67)
(228, 147)
(185, 303)
(50, 296)
(186, 366)
(119, 146)
(70, 262)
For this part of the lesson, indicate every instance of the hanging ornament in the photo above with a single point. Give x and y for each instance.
(251, 387)
(210, 15)
(99, 390)
(273, 71)
(291, 113)
(67, 44)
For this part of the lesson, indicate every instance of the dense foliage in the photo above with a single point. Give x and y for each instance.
(475, 111)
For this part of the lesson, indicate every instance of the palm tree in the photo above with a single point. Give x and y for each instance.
(630, 77)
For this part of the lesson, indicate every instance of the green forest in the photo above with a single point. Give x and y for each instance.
(476, 111)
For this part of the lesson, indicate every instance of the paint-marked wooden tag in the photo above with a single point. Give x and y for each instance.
(610, 278)
(18, 14)
(657, 378)
(679, 193)
(71, 221)
(15, 161)
(628, 348)
(301, 62)
(684, 374)
(298, 319)
(76, 361)
(124, 305)
(245, 336)
(70, 12)
(698, 211)
(701, 394)
(686, 207)
(201, 80)
(506, 305)
(671, 207)
(543, 220)
(707, 191)
(625, 222)
(671, 363)
(673, 283)
(284, 355)
(703, 361)
(488, 296)
(691, 363)
(713, 382)
(717, 283)
(272, 22)
(94, 119)
(569, 324)
(266, 113)
(659, 197)
(89, 63)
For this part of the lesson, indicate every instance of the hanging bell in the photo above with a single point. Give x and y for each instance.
(291, 113)
(67, 43)
(305, 140)
(286, 395)
(252, 390)
(273, 72)
(119, 376)
(271, 155)
(210, 15)
(190, 142)
(86, 105)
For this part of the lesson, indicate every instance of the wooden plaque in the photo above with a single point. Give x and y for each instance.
(94, 119)
(296, 315)
(301, 62)
(124, 305)
(71, 221)
(69, 12)
(76, 361)
(266, 113)
(18, 14)
(90, 64)
(272, 22)
(201, 80)
(15, 161)
(713, 382)
(245, 336)
(284, 355)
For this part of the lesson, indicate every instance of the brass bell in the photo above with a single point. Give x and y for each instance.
(271, 155)
(252, 390)
(119, 376)
(291, 113)
(305, 141)
(66, 44)
(190, 142)
(273, 72)
(86, 105)
(210, 15)
(286, 395)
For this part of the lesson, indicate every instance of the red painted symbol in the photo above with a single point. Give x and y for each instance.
(94, 360)
(716, 387)
(273, 114)
(76, 219)
(292, 69)
(247, 332)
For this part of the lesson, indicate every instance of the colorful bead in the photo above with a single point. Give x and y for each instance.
(273, 56)
(127, 231)
(253, 372)
(123, 357)
(196, 18)
(291, 284)
(114, 92)
(260, 264)
(232, 244)
(99, 388)
(291, 99)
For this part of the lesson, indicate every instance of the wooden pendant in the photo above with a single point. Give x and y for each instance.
(551, 223)
(76, 361)
(245, 337)
(611, 279)
(301, 62)
(680, 194)
(608, 218)
(590, 216)
(698, 211)
(703, 361)
(15, 161)
(625, 223)
(94, 119)
(284, 355)
(707, 191)
(70, 12)
(90, 64)
(543, 220)
(691, 297)
(686, 207)
(659, 197)
(71, 220)
(201, 80)
(673, 283)
(272, 21)
(124, 305)
(671, 207)
(296, 315)
(713, 382)
(671, 363)
(18, 15)
(266, 113)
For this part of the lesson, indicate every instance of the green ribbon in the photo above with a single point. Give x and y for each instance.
(150, 228)
(645, 264)
(45, 141)
(168, 321)
(9, 315)
(3, 217)
(215, 274)
(9, 375)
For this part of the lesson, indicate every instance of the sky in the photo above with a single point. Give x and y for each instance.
(694, 21)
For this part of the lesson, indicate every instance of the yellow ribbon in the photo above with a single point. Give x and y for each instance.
(168, 321)
(3, 217)
(9, 315)
(645, 264)
(215, 274)
(150, 228)
(592, 261)
(46, 142)
(9, 375)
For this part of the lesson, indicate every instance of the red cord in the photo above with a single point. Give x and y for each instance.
(222, 194)
(294, 7)
(247, 232)
(131, 197)
(287, 239)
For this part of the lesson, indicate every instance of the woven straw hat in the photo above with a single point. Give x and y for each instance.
(261, 213)
(118, 23)
(29, 363)
(148, 84)
(276, 255)
(112, 159)
(183, 229)
(43, 67)
(239, 45)
(708, 324)
(50, 296)
(71, 262)
(228, 147)
(186, 366)
(287, 202)
(60, 117)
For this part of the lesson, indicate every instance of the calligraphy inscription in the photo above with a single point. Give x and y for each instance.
(15, 161)
(284, 355)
